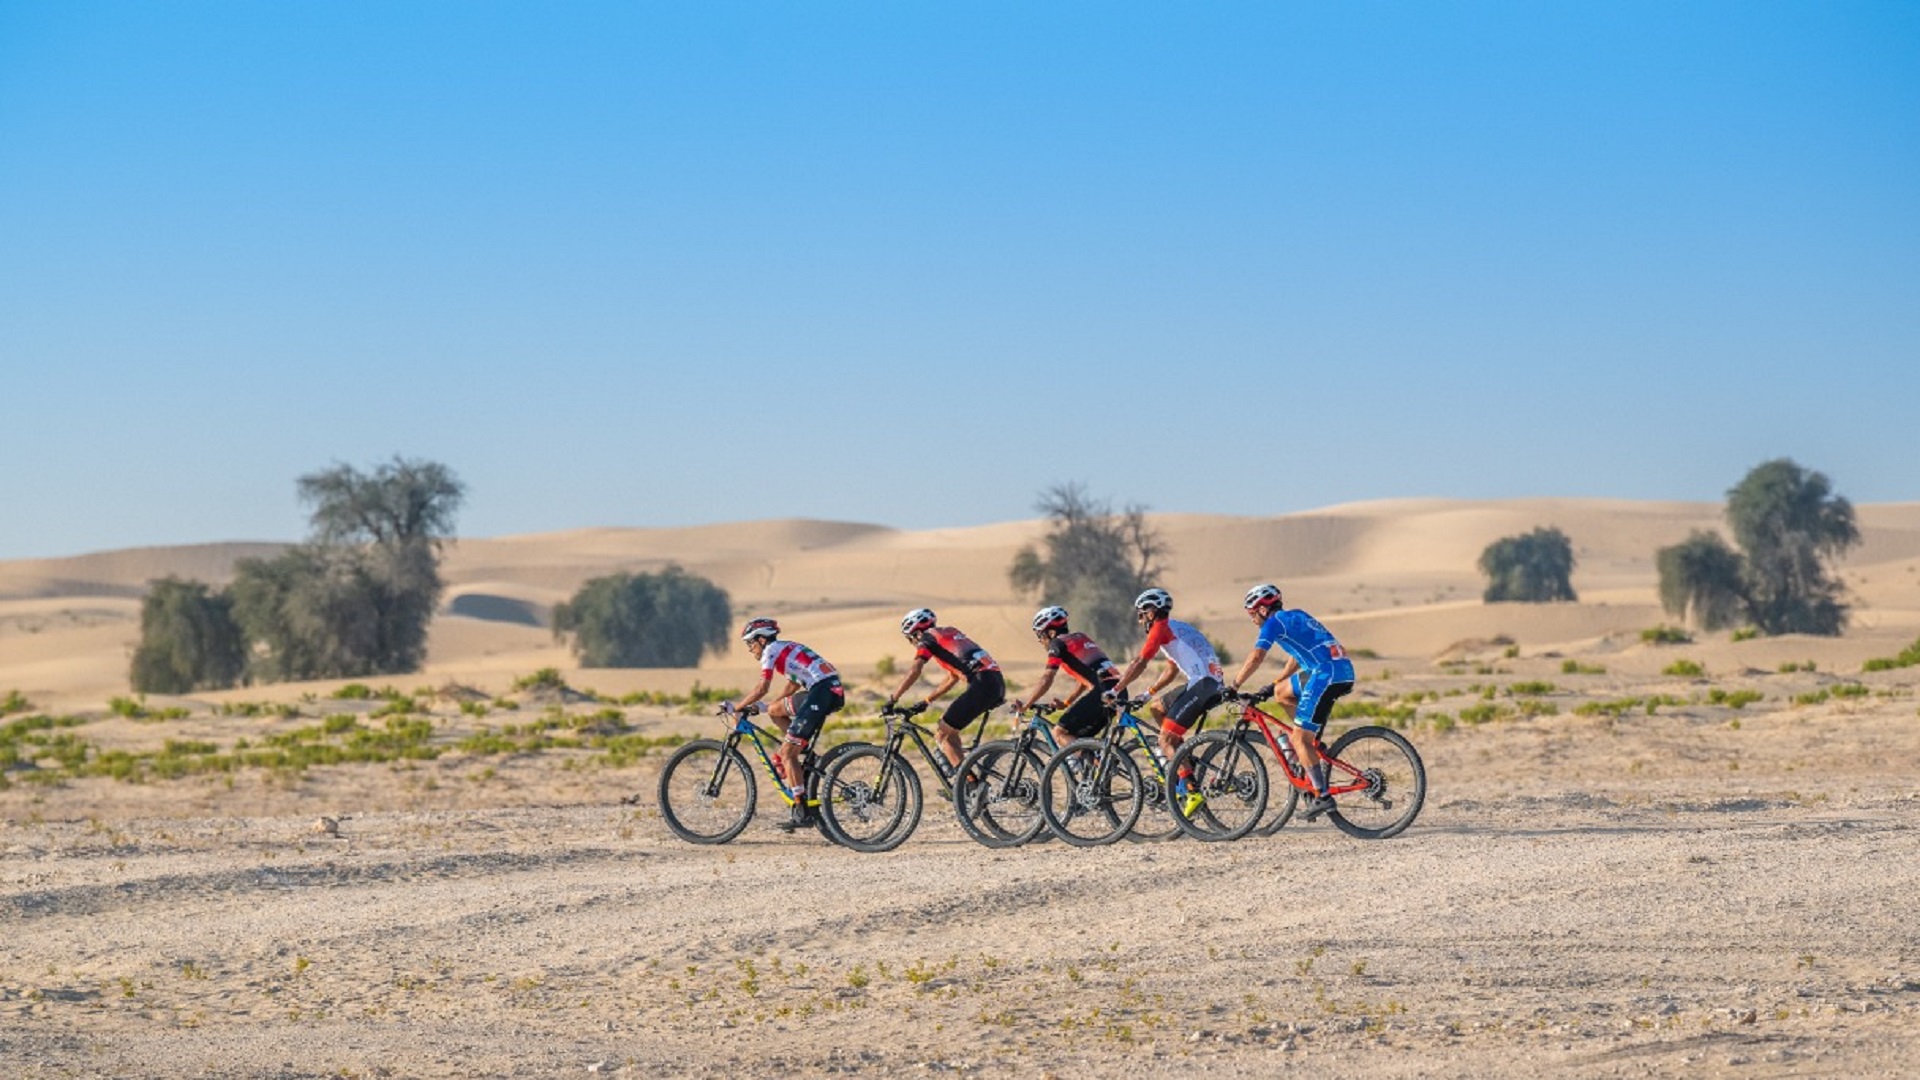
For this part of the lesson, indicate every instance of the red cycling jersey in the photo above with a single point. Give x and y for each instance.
(1082, 658)
(954, 651)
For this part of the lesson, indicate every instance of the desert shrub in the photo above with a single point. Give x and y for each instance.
(1907, 657)
(14, 702)
(1093, 562)
(1789, 524)
(1684, 668)
(1534, 567)
(1530, 689)
(1702, 581)
(544, 679)
(188, 640)
(884, 667)
(1734, 699)
(1850, 690)
(1665, 635)
(1813, 697)
(1745, 633)
(658, 620)
(1575, 667)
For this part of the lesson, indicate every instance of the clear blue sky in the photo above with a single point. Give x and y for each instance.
(655, 264)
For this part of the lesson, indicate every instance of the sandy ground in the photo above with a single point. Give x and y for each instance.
(1705, 891)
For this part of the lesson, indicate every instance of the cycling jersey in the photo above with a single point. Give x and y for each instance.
(796, 662)
(954, 651)
(1082, 658)
(1187, 647)
(1311, 645)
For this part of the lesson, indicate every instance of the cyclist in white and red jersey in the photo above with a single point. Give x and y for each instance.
(1189, 654)
(1317, 673)
(1085, 712)
(957, 654)
(804, 670)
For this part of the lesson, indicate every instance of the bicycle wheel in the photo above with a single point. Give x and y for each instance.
(1377, 781)
(1225, 770)
(997, 794)
(869, 800)
(1156, 816)
(706, 792)
(1090, 793)
(1282, 797)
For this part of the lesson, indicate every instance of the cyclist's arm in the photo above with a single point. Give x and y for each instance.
(1039, 691)
(1134, 668)
(913, 676)
(766, 680)
(941, 690)
(1165, 679)
(1254, 660)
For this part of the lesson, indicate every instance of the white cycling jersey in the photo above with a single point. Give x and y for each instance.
(1187, 647)
(796, 662)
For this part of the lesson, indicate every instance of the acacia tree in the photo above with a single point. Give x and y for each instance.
(1534, 567)
(1702, 581)
(1788, 524)
(357, 598)
(188, 640)
(666, 619)
(1093, 561)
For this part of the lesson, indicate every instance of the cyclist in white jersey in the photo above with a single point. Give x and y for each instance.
(804, 670)
(1189, 654)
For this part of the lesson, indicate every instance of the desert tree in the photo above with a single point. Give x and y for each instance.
(189, 640)
(667, 619)
(1702, 581)
(1093, 561)
(1534, 567)
(1789, 525)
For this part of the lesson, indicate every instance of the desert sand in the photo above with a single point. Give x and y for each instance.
(1718, 884)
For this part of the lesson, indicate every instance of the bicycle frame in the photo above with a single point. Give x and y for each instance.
(744, 728)
(1253, 716)
(901, 726)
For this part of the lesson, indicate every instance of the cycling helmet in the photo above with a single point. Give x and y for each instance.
(1155, 600)
(917, 620)
(1263, 596)
(759, 630)
(1050, 618)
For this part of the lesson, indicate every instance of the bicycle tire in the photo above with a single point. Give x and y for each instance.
(1397, 783)
(707, 792)
(1156, 822)
(1226, 769)
(870, 801)
(996, 795)
(1092, 801)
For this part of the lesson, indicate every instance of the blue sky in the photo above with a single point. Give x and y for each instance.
(659, 264)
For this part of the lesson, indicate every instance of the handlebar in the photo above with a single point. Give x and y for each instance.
(1265, 693)
(912, 710)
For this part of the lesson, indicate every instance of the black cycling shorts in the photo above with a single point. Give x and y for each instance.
(1192, 703)
(1087, 717)
(823, 698)
(985, 691)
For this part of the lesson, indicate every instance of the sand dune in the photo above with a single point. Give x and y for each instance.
(1397, 577)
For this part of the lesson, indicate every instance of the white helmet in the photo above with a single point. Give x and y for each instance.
(1263, 596)
(917, 620)
(1159, 600)
(759, 630)
(1050, 618)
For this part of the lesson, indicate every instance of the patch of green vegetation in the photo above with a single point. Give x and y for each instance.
(1815, 697)
(14, 702)
(545, 679)
(1684, 668)
(1746, 633)
(1735, 699)
(1665, 635)
(1907, 657)
(1851, 690)
(1790, 667)
(1575, 667)
(1530, 689)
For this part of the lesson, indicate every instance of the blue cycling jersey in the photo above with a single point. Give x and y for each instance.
(1311, 645)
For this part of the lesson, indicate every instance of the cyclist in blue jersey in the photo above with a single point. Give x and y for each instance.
(1317, 673)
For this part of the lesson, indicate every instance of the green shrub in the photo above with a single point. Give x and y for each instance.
(1907, 657)
(1575, 667)
(14, 702)
(668, 619)
(1534, 567)
(1665, 635)
(1735, 699)
(1814, 697)
(545, 679)
(884, 667)
(1530, 689)
(1850, 690)
(1684, 668)
(189, 640)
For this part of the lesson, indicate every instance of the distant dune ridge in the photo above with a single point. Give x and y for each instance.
(1396, 577)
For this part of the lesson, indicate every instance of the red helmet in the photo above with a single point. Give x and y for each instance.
(917, 620)
(759, 630)
(1050, 618)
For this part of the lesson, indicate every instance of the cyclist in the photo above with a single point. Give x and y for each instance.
(804, 670)
(1316, 674)
(1085, 710)
(1188, 654)
(962, 659)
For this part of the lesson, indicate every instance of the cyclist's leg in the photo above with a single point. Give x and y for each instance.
(809, 717)
(1317, 695)
(983, 692)
(1186, 709)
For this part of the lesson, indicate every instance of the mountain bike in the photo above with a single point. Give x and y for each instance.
(871, 800)
(1091, 792)
(1374, 775)
(1156, 820)
(708, 794)
(997, 795)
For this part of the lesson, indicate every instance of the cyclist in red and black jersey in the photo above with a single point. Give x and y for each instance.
(1085, 712)
(956, 653)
